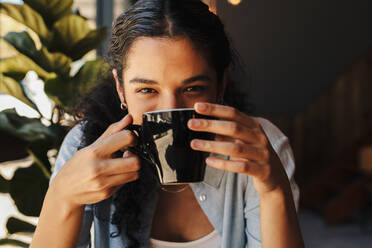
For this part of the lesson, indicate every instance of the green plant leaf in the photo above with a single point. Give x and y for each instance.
(4, 185)
(29, 17)
(55, 62)
(13, 242)
(61, 92)
(17, 67)
(11, 87)
(67, 31)
(91, 41)
(28, 188)
(51, 10)
(28, 129)
(89, 73)
(50, 62)
(39, 152)
(23, 42)
(67, 92)
(15, 225)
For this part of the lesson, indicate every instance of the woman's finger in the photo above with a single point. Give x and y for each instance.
(116, 180)
(236, 149)
(225, 112)
(107, 186)
(228, 128)
(107, 146)
(127, 154)
(245, 167)
(117, 166)
(116, 188)
(116, 127)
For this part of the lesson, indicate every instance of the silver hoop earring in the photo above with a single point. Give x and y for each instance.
(123, 106)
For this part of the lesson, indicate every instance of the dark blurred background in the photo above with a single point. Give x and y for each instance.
(310, 67)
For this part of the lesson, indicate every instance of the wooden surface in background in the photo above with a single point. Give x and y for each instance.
(331, 129)
(328, 139)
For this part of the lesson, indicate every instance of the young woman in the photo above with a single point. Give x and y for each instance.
(167, 54)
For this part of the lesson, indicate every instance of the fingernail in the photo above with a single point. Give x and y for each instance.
(126, 154)
(210, 161)
(197, 143)
(201, 106)
(195, 123)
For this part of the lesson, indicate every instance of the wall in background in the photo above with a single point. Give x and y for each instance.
(295, 49)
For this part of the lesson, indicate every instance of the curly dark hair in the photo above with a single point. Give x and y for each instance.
(101, 106)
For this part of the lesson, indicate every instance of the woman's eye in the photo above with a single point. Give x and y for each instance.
(146, 91)
(194, 89)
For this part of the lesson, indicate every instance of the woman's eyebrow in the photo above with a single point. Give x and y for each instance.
(186, 81)
(142, 81)
(197, 78)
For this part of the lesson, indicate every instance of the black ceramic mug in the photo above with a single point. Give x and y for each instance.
(164, 141)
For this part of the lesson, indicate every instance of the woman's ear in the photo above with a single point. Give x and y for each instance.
(119, 87)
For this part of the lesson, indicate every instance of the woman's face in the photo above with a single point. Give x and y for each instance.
(164, 73)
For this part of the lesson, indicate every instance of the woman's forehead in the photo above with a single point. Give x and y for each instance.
(170, 44)
(160, 57)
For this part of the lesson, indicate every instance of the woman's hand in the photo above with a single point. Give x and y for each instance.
(92, 175)
(242, 139)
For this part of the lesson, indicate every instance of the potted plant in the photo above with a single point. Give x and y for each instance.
(64, 37)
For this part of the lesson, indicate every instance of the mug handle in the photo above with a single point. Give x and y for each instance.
(140, 148)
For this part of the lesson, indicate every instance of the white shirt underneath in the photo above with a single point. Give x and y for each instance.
(208, 241)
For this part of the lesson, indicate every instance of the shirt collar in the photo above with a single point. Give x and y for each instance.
(213, 176)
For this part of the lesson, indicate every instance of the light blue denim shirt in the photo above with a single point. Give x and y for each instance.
(228, 199)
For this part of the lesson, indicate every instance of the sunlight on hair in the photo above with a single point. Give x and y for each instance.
(212, 5)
